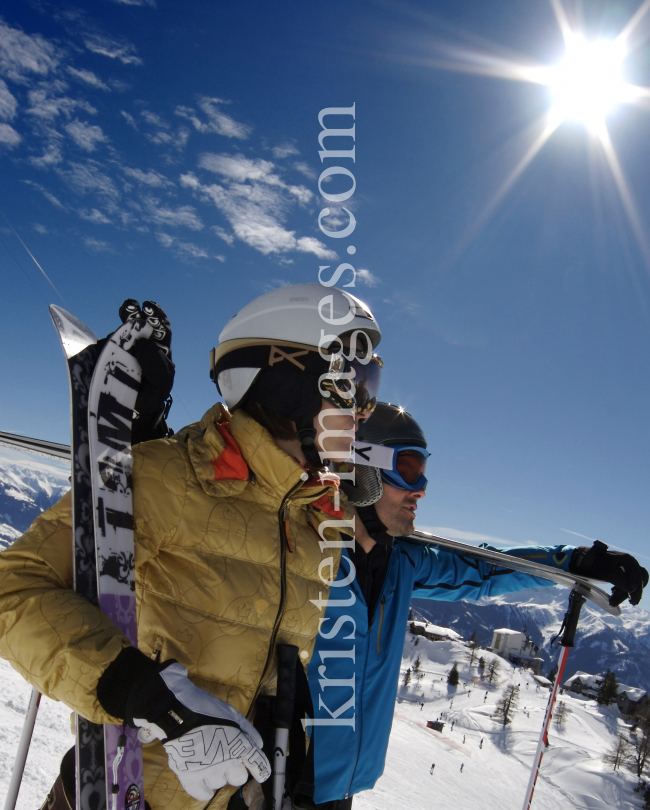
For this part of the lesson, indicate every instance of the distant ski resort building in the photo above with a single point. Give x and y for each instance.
(629, 699)
(516, 647)
(433, 632)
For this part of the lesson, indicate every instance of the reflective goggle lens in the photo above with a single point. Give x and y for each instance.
(410, 465)
(364, 382)
(367, 381)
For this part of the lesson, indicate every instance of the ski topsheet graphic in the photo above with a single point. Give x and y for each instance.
(113, 393)
(103, 390)
(80, 350)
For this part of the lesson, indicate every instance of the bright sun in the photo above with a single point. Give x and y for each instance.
(588, 83)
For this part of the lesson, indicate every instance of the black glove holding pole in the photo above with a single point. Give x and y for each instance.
(155, 358)
(621, 569)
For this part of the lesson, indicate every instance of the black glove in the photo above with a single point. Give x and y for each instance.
(617, 567)
(155, 358)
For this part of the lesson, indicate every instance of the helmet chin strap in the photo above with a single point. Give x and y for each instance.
(374, 526)
(306, 434)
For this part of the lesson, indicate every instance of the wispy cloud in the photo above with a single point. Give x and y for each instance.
(130, 120)
(154, 119)
(46, 110)
(240, 169)
(88, 178)
(150, 178)
(217, 120)
(184, 216)
(50, 157)
(256, 212)
(283, 151)
(48, 195)
(112, 48)
(87, 77)
(8, 136)
(151, 3)
(97, 245)
(94, 216)
(368, 278)
(305, 169)
(228, 238)
(48, 101)
(22, 55)
(182, 248)
(8, 103)
(86, 136)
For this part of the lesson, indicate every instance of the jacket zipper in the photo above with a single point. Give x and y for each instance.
(283, 593)
(381, 622)
(365, 665)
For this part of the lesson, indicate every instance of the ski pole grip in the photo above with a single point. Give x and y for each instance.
(576, 601)
(286, 691)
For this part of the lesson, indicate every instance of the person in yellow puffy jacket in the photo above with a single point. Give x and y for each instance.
(227, 560)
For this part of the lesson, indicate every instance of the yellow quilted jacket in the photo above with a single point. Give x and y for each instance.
(209, 562)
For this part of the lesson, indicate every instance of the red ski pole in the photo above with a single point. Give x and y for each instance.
(569, 626)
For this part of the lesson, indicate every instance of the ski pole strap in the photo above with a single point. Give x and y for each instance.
(570, 621)
(286, 690)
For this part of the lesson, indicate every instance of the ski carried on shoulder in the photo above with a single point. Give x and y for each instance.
(104, 384)
(582, 585)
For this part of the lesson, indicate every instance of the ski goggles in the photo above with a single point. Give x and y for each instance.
(351, 382)
(401, 465)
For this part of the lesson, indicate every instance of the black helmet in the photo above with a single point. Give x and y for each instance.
(390, 424)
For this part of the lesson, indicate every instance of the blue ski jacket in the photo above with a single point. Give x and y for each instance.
(354, 671)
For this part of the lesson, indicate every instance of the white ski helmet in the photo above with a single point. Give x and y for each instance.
(285, 351)
(297, 315)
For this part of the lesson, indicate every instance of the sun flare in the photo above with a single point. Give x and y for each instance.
(588, 83)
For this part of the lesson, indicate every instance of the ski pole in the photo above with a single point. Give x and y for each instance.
(23, 749)
(569, 625)
(282, 716)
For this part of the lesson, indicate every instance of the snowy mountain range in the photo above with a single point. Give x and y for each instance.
(603, 642)
(26, 489)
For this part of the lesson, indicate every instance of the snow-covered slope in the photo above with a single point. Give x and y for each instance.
(479, 763)
(495, 760)
(603, 642)
(26, 489)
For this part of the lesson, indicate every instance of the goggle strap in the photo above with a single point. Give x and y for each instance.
(367, 454)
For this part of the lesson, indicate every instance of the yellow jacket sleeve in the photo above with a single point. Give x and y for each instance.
(57, 640)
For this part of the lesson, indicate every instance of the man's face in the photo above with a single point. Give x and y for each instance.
(396, 509)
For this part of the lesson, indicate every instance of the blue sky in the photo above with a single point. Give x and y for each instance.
(169, 151)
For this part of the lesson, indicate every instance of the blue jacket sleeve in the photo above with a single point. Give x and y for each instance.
(449, 577)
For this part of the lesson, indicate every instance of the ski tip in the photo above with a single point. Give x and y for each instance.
(74, 335)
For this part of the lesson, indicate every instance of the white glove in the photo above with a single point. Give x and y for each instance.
(208, 742)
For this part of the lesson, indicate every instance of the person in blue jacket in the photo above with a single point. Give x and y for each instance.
(354, 670)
